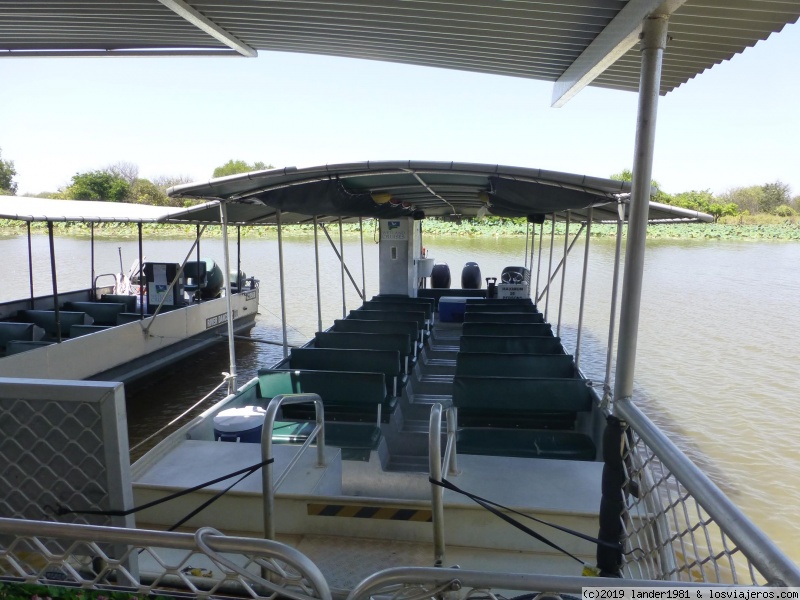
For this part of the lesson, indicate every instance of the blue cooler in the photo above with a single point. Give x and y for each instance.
(242, 424)
(451, 310)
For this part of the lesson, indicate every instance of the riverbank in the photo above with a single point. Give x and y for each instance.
(759, 227)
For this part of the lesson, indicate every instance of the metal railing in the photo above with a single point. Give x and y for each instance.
(678, 526)
(418, 583)
(204, 564)
(436, 465)
(318, 434)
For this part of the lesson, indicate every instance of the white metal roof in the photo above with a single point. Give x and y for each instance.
(21, 208)
(569, 42)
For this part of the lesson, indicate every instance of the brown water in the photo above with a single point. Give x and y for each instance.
(717, 365)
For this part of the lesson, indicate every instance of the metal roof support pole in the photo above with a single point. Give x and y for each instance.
(363, 269)
(54, 279)
(142, 281)
(654, 40)
(612, 319)
(563, 273)
(530, 264)
(226, 274)
(283, 292)
(316, 262)
(239, 281)
(94, 291)
(341, 262)
(527, 236)
(583, 288)
(30, 263)
(550, 268)
(197, 232)
(539, 263)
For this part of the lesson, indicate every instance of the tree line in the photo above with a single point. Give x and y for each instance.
(770, 198)
(120, 182)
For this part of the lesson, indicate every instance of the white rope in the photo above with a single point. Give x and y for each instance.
(225, 379)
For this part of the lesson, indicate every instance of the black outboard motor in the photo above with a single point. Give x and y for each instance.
(491, 287)
(515, 275)
(440, 276)
(471, 276)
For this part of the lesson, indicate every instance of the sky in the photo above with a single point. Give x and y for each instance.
(738, 124)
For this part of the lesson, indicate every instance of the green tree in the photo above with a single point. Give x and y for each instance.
(97, 185)
(746, 198)
(8, 187)
(718, 209)
(774, 195)
(695, 200)
(233, 167)
(659, 196)
(144, 191)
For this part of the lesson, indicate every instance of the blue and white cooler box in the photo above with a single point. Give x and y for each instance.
(243, 424)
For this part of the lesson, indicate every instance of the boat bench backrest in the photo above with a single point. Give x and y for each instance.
(17, 346)
(437, 293)
(500, 307)
(514, 365)
(103, 313)
(499, 301)
(79, 330)
(533, 329)
(128, 317)
(23, 332)
(503, 317)
(516, 344)
(371, 326)
(389, 315)
(386, 362)
(346, 396)
(127, 300)
(46, 319)
(430, 302)
(398, 306)
(401, 342)
(520, 401)
(526, 443)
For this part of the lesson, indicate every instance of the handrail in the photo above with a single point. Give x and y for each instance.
(318, 433)
(451, 579)
(753, 543)
(204, 540)
(435, 463)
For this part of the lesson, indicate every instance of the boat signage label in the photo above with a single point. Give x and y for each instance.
(250, 295)
(394, 230)
(505, 290)
(218, 320)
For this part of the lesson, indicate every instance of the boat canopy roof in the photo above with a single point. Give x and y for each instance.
(389, 189)
(573, 44)
(22, 208)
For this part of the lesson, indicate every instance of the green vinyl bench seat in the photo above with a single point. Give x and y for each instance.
(46, 319)
(126, 299)
(23, 332)
(103, 313)
(430, 302)
(526, 443)
(503, 317)
(346, 395)
(520, 402)
(18, 346)
(401, 342)
(386, 362)
(417, 317)
(438, 293)
(515, 344)
(514, 365)
(128, 317)
(79, 330)
(356, 440)
(370, 326)
(531, 329)
(385, 305)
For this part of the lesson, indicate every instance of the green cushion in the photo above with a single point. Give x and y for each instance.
(46, 319)
(515, 365)
(385, 305)
(534, 329)
(503, 317)
(337, 359)
(103, 313)
(511, 344)
(526, 443)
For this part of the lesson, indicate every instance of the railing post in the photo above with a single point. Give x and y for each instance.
(437, 492)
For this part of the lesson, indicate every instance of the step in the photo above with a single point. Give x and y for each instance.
(408, 464)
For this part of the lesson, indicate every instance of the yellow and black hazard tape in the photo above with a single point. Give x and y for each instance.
(369, 512)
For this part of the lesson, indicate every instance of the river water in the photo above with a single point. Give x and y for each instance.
(717, 364)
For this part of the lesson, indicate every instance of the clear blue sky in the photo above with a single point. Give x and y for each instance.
(737, 124)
